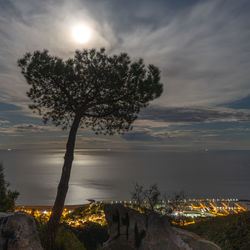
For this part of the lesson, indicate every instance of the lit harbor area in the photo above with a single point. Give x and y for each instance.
(181, 212)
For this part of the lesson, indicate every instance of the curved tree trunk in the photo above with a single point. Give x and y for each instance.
(62, 189)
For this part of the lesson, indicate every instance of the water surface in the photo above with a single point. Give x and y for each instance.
(108, 175)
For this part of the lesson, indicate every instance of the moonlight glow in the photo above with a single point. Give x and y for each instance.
(81, 34)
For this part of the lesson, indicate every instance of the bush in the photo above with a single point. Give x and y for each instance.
(92, 235)
(7, 197)
(229, 232)
(65, 239)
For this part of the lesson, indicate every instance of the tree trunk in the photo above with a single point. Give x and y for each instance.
(62, 189)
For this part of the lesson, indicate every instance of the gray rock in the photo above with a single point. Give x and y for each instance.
(130, 230)
(18, 231)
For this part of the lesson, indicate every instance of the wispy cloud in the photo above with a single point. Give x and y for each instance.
(2, 122)
(200, 47)
(25, 129)
(142, 136)
(201, 51)
(196, 114)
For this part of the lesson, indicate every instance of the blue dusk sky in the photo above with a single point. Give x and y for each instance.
(201, 47)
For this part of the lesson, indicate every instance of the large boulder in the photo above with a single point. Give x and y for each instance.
(18, 231)
(130, 230)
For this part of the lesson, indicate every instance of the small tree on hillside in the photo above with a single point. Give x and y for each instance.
(92, 90)
(151, 196)
(138, 194)
(7, 197)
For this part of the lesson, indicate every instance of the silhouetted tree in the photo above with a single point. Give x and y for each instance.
(7, 197)
(92, 90)
(138, 194)
(179, 204)
(151, 196)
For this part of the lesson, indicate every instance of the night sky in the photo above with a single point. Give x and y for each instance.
(201, 47)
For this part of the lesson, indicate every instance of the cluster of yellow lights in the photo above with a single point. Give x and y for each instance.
(99, 217)
(44, 215)
(219, 211)
(211, 209)
(183, 222)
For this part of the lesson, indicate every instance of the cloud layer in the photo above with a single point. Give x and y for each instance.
(201, 47)
(198, 114)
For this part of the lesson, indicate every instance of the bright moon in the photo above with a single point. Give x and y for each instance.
(81, 33)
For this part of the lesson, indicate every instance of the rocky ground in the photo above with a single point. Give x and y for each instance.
(130, 230)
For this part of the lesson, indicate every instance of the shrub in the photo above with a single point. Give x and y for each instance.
(229, 232)
(92, 235)
(67, 240)
(7, 197)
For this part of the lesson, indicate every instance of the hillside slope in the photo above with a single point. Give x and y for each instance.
(231, 232)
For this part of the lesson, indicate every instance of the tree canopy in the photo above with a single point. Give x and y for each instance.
(92, 90)
(106, 91)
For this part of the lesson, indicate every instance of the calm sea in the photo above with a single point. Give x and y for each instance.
(108, 175)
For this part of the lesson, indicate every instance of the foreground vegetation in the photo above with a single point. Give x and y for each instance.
(85, 228)
(228, 232)
(89, 236)
(7, 197)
